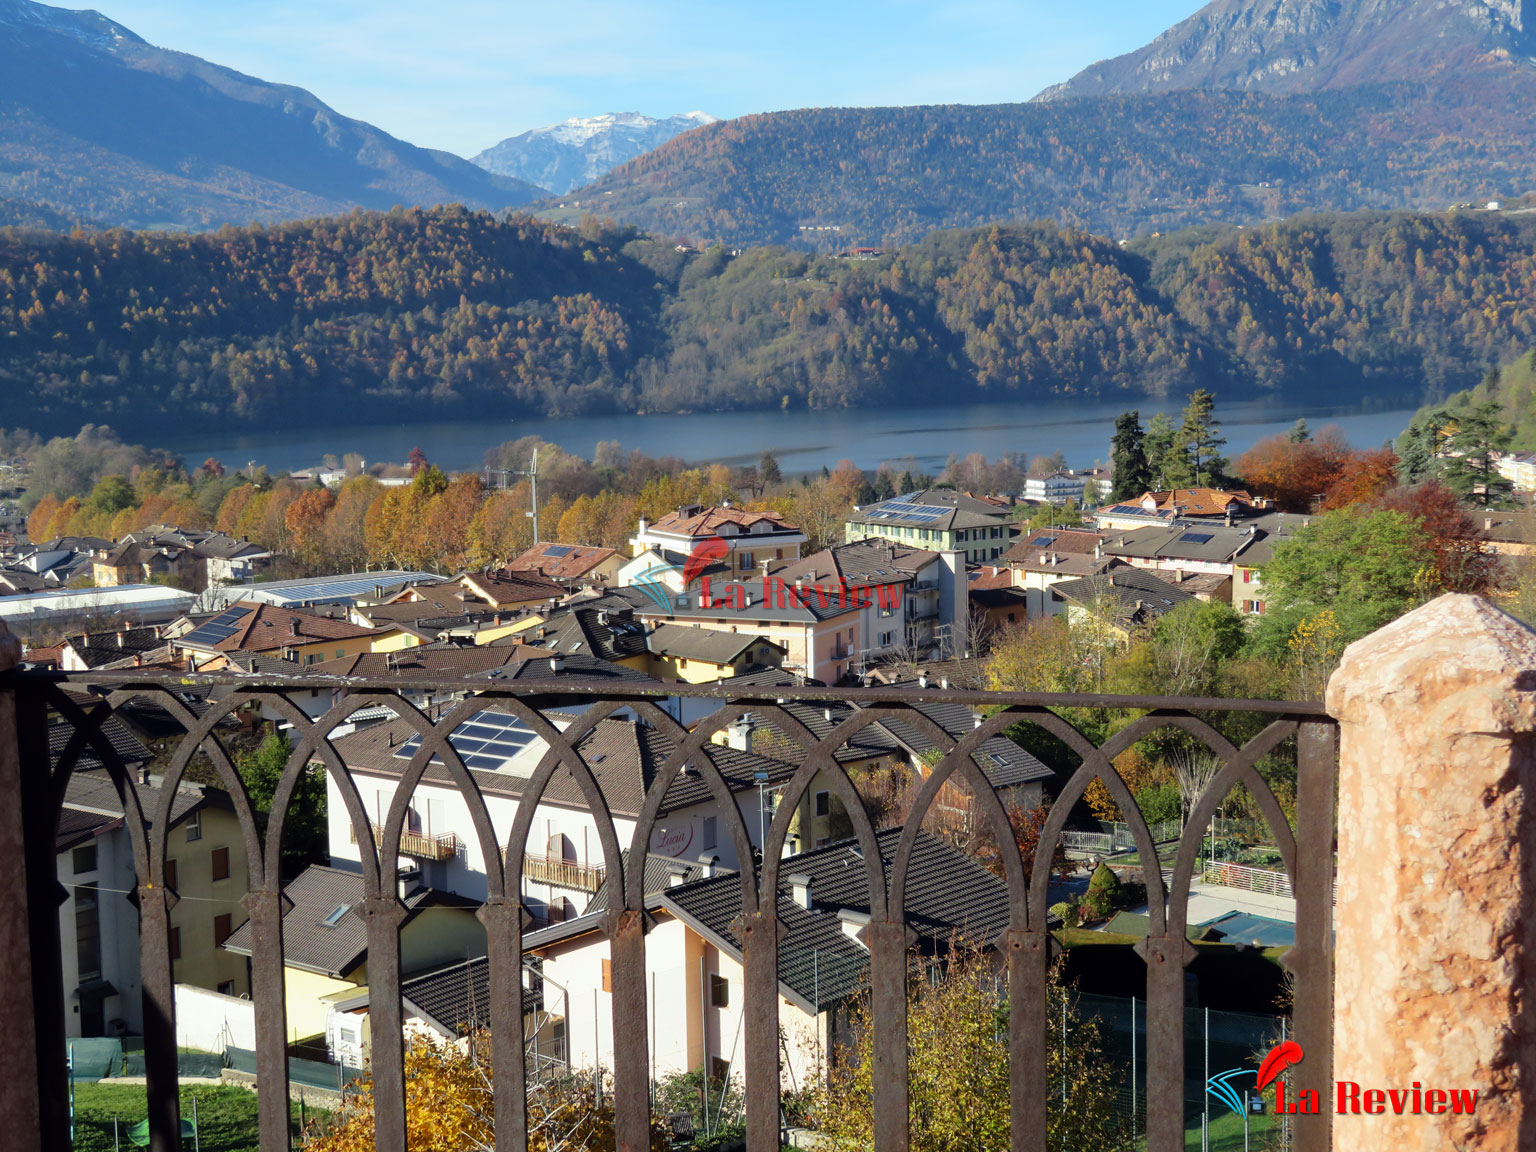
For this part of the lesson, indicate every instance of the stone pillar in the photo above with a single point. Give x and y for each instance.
(1436, 918)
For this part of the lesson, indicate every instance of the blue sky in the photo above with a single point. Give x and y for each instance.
(463, 74)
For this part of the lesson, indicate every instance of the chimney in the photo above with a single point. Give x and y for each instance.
(676, 874)
(739, 734)
(557, 664)
(120, 637)
(293, 626)
(409, 879)
(826, 714)
(977, 718)
(922, 679)
(800, 889)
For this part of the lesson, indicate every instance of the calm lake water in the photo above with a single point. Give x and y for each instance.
(918, 438)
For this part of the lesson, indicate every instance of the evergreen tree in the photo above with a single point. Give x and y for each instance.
(768, 473)
(1418, 448)
(1471, 470)
(1129, 457)
(906, 485)
(1158, 444)
(1198, 444)
(1299, 433)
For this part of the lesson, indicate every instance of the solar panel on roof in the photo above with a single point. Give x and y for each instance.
(485, 742)
(1042, 541)
(1195, 538)
(221, 627)
(559, 550)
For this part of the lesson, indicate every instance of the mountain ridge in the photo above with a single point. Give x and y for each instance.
(97, 123)
(1288, 46)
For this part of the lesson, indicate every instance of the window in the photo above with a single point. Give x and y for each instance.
(340, 653)
(823, 803)
(607, 975)
(710, 832)
(87, 932)
(194, 827)
(997, 533)
(778, 553)
(175, 942)
(222, 927)
(746, 559)
(348, 1035)
(822, 841)
(1247, 575)
(719, 992)
(170, 874)
(84, 859)
(221, 863)
(719, 1069)
(226, 987)
(336, 914)
(311, 658)
(886, 639)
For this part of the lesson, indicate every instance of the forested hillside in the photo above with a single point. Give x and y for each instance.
(371, 317)
(1117, 165)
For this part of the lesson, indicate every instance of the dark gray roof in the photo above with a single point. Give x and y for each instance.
(77, 826)
(948, 894)
(94, 792)
(457, 998)
(1209, 542)
(1142, 595)
(595, 632)
(128, 747)
(865, 562)
(335, 948)
(98, 648)
(711, 644)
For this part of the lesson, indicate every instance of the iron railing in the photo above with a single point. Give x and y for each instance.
(32, 787)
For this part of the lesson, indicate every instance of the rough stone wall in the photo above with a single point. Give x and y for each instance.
(1436, 918)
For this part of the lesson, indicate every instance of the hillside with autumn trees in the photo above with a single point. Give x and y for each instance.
(450, 313)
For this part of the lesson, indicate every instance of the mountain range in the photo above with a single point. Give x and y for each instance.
(577, 151)
(1250, 110)
(98, 125)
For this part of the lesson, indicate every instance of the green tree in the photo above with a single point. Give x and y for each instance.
(1129, 457)
(304, 831)
(1197, 446)
(1420, 446)
(1367, 565)
(1104, 893)
(1300, 433)
(1470, 470)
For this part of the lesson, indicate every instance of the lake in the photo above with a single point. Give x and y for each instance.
(918, 438)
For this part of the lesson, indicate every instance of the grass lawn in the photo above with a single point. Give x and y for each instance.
(226, 1115)
(1227, 1134)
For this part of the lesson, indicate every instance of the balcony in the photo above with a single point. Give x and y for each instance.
(562, 873)
(414, 844)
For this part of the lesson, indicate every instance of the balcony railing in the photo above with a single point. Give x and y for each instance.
(444, 847)
(34, 1000)
(562, 873)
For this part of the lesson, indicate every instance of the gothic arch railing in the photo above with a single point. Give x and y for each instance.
(39, 780)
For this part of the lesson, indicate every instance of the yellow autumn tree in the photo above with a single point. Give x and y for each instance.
(450, 1107)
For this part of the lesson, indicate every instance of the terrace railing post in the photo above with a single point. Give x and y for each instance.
(888, 942)
(503, 920)
(760, 955)
(631, 1070)
(29, 1043)
(1311, 960)
(1436, 918)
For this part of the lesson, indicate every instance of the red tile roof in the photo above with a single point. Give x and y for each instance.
(571, 564)
(694, 522)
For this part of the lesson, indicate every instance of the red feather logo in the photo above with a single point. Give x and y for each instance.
(703, 555)
(1280, 1057)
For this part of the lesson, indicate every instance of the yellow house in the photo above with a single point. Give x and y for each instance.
(325, 945)
(694, 655)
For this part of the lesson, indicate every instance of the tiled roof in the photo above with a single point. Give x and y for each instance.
(1214, 543)
(866, 562)
(596, 632)
(94, 792)
(108, 647)
(947, 894)
(1034, 541)
(432, 660)
(313, 898)
(503, 587)
(561, 561)
(944, 509)
(128, 747)
(1198, 501)
(258, 627)
(77, 826)
(457, 998)
(709, 644)
(624, 758)
(1131, 587)
(697, 522)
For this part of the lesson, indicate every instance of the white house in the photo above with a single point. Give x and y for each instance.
(563, 862)
(696, 992)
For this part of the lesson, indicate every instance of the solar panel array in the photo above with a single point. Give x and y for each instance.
(1042, 541)
(916, 513)
(559, 550)
(1195, 538)
(220, 628)
(486, 741)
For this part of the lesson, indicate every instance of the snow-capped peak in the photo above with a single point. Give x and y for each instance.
(576, 151)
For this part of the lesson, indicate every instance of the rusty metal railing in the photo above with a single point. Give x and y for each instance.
(32, 788)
